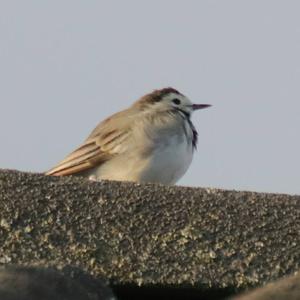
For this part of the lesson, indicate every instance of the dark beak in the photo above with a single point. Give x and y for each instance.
(200, 106)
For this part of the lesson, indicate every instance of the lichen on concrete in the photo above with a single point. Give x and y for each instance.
(149, 234)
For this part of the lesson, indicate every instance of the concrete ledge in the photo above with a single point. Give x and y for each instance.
(149, 234)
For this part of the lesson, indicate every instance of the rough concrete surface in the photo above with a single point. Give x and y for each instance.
(149, 234)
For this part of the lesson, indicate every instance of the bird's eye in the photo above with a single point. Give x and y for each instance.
(176, 101)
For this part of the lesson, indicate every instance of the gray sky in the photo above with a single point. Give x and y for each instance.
(65, 65)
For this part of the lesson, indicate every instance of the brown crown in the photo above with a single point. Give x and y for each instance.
(158, 95)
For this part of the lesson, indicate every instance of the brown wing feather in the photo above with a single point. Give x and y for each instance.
(79, 161)
(102, 144)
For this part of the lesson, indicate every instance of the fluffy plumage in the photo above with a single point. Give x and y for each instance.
(151, 141)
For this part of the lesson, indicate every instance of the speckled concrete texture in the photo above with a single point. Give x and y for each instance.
(149, 234)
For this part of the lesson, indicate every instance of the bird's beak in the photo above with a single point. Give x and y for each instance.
(200, 106)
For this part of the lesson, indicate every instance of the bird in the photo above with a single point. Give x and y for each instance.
(151, 141)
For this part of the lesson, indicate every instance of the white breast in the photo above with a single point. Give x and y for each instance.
(169, 162)
(161, 156)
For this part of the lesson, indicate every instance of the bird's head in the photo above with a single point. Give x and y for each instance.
(168, 99)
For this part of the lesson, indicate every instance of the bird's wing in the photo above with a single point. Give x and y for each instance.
(109, 138)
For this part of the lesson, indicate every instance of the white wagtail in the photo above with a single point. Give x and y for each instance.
(151, 141)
